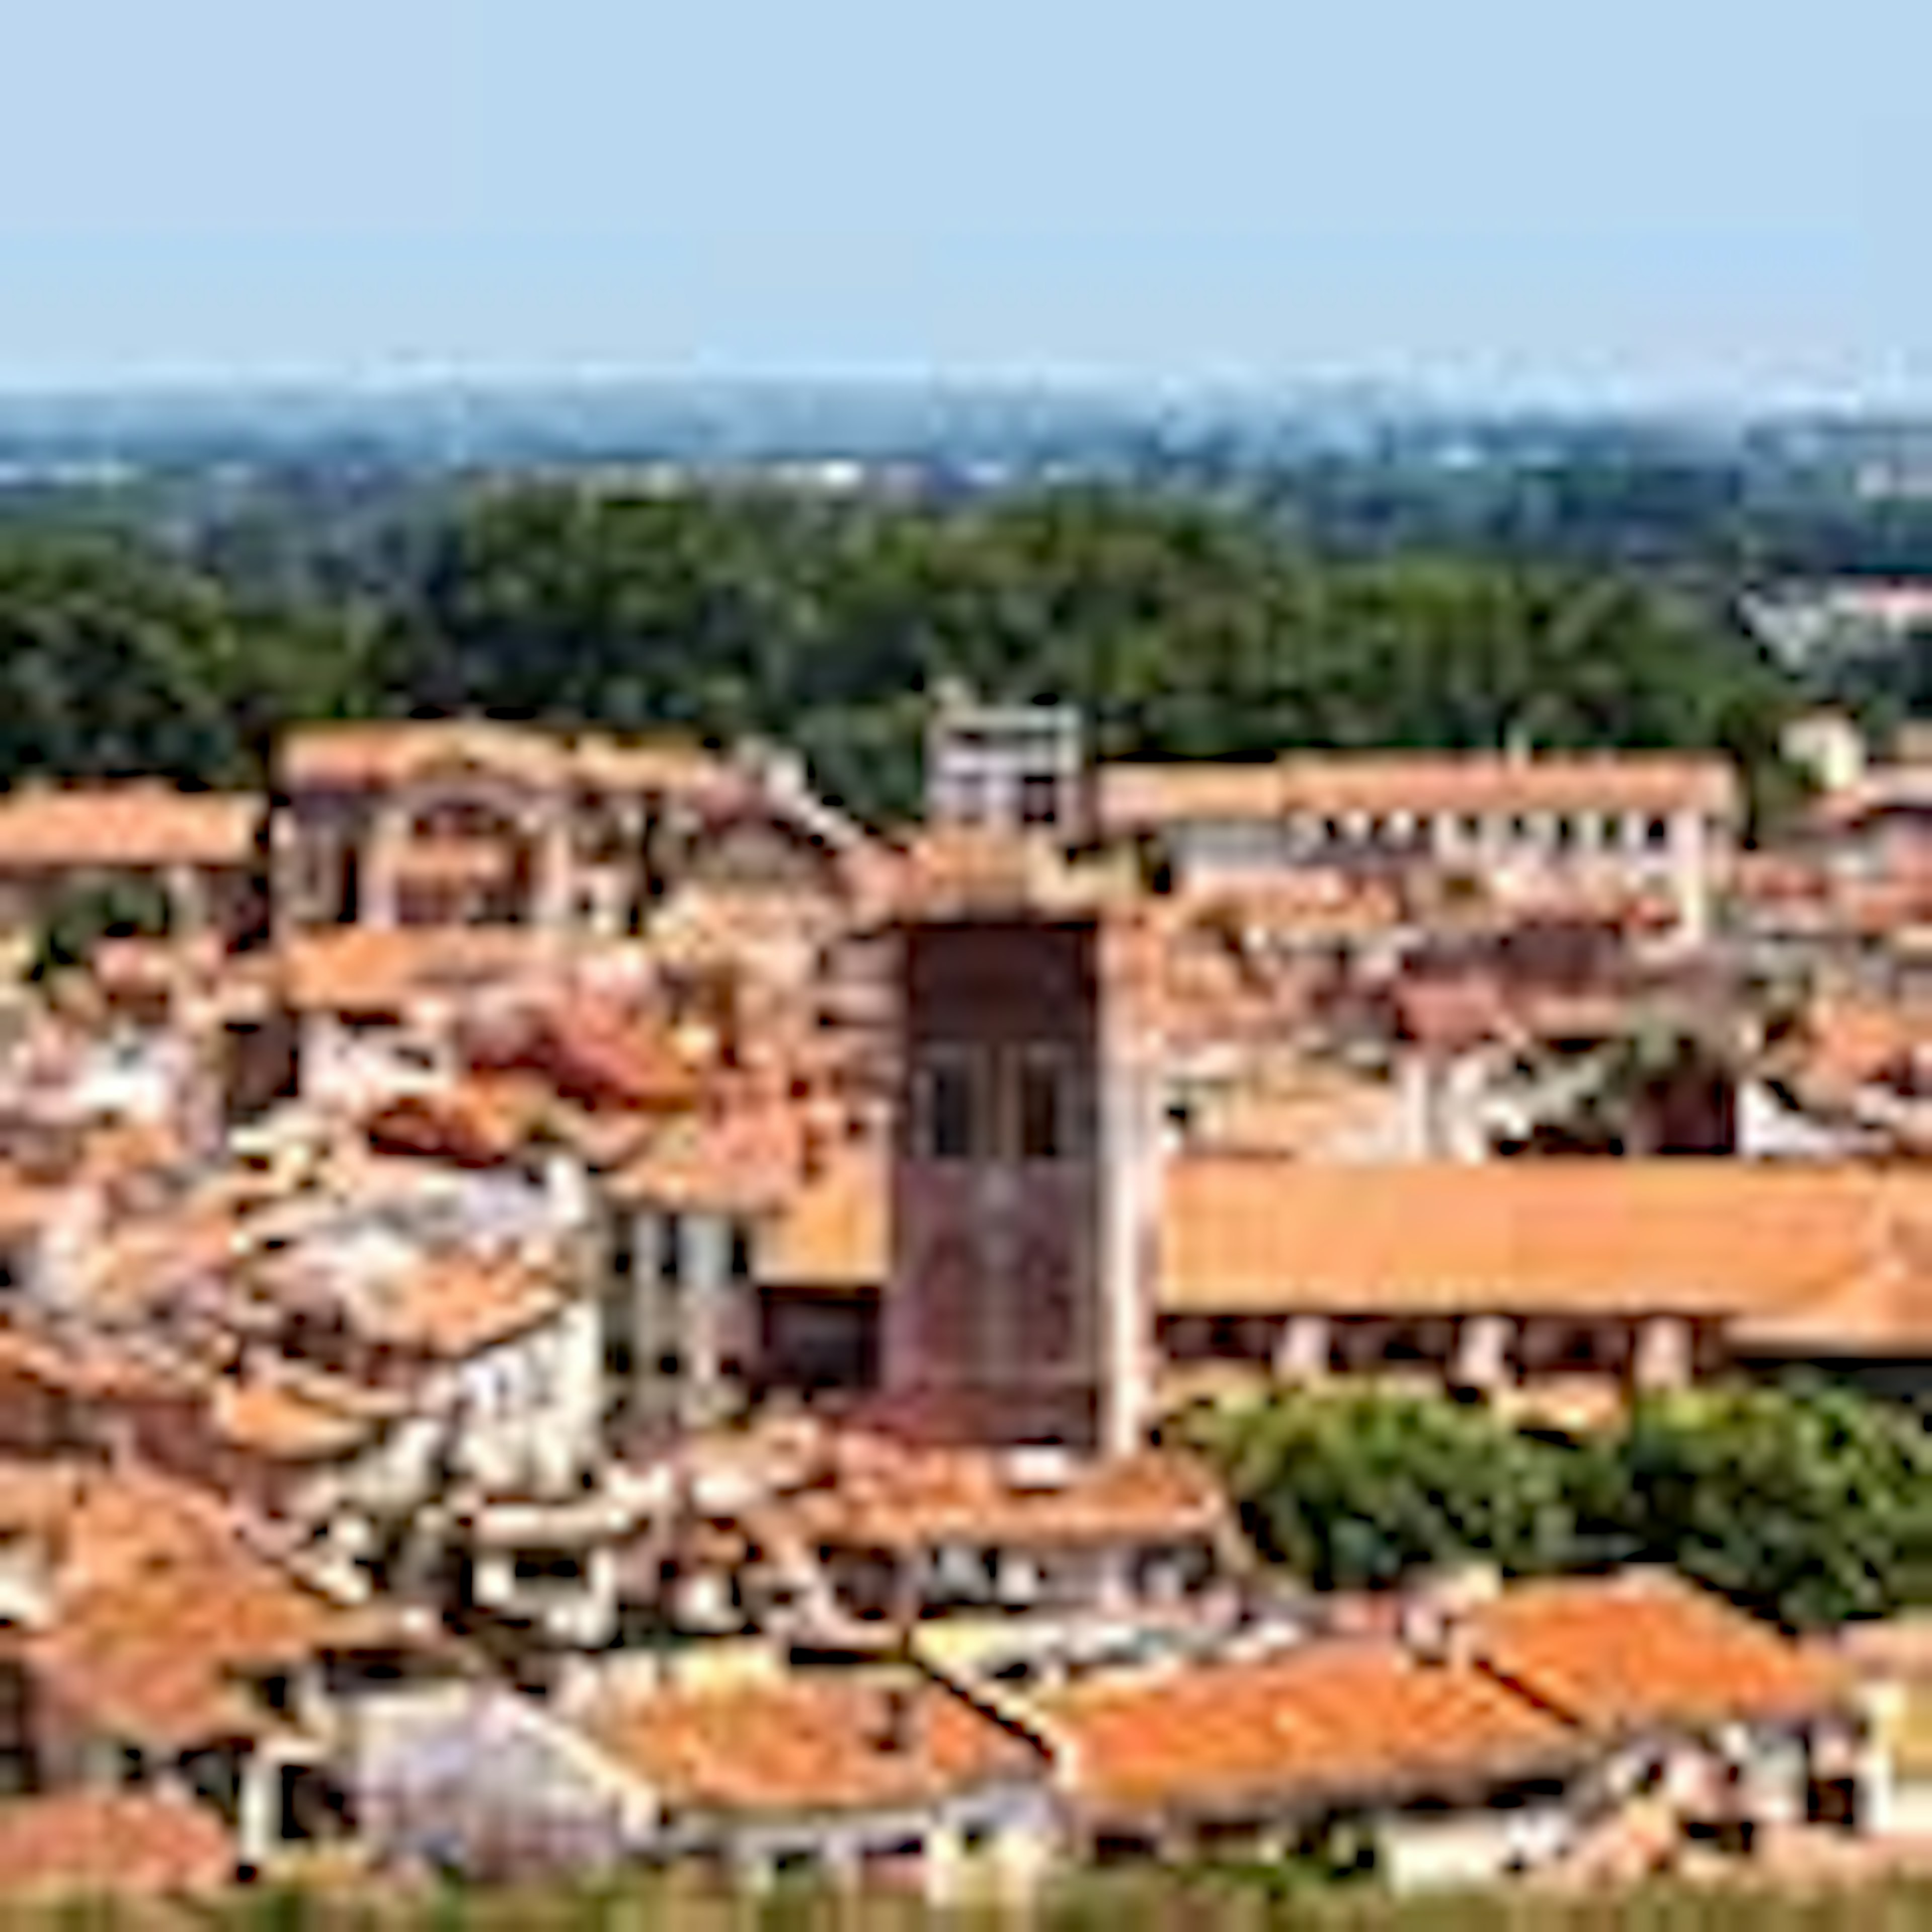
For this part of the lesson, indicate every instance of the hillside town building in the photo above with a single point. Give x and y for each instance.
(569, 1256)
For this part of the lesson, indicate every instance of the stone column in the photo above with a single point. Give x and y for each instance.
(1115, 1582)
(1482, 1353)
(259, 1819)
(1873, 1772)
(187, 901)
(944, 1865)
(553, 887)
(707, 1282)
(1418, 1084)
(382, 845)
(1664, 1355)
(1689, 876)
(1303, 1353)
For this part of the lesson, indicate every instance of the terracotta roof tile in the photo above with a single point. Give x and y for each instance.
(813, 1743)
(79, 1843)
(887, 1495)
(744, 1154)
(1303, 905)
(469, 1125)
(354, 968)
(377, 756)
(595, 1052)
(137, 823)
(1337, 1721)
(156, 1638)
(269, 1416)
(385, 755)
(1240, 1234)
(1644, 1652)
(454, 1303)
(1340, 783)
(1146, 796)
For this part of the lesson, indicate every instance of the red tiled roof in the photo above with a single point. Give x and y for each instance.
(1336, 783)
(378, 756)
(1643, 1652)
(1242, 1234)
(162, 1608)
(86, 1842)
(367, 969)
(141, 823)
(812, 1744)
(1334, 1721)
(595, 1053)
(454, 1304)
(888, 1495)
(463, 1125)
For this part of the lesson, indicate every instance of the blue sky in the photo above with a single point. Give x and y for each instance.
(1686, 199)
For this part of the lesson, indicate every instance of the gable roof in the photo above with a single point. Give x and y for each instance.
(1144, 797)
(1644, 1650)
(1244, 1234)
(812, 1743)
(1336, 1721)
(137, 823)
(888, 1495)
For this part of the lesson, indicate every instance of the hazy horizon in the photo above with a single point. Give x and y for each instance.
(1658, 207)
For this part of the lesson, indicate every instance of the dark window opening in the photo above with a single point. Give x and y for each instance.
(951, 1123)
(1040, 800)
(1041, 1111)
(548, 1566)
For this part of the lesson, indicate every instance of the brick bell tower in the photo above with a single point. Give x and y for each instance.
(1017, 1307)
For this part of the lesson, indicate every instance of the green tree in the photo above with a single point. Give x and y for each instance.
(1356, 1489)
(87, 913)
(1810, 1505)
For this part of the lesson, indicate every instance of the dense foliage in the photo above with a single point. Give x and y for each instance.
(1811, 1505)
(1187, 631)
(88, 912)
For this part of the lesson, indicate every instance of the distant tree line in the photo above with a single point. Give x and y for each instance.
(1186, 630)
